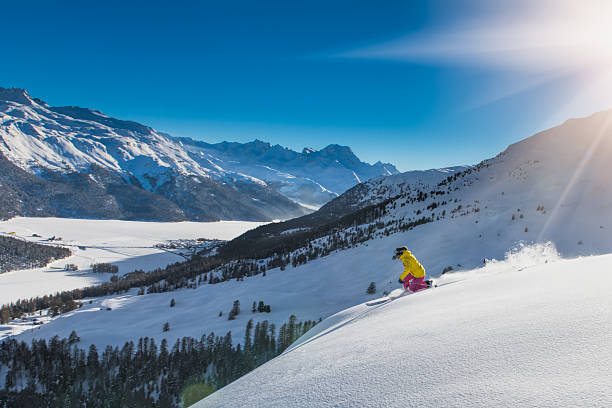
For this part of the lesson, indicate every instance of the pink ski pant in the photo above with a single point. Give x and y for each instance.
(414, 284)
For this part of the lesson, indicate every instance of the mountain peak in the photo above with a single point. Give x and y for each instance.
(260, 144)
(308, 150)
(15, 95)
(337, 150)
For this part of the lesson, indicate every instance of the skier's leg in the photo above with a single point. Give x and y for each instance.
(407, 280)
(418, 284)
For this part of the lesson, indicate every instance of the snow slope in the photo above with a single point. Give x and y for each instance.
(497, 336)
(315, 290)
(536, 191)
(552, 187)
(128, 244)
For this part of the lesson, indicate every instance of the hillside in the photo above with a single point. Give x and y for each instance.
(522, 196)
(503, 335)
(549, 191)
(552, 186)
(79, 163)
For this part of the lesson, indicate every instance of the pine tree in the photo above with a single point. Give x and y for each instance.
(292, 334)
(5, 315)
(235, 310)
(73, 338)
(93, 362)
(166, 327)
(371, 289)
(254, 308)
(247, 335)
(172, 303)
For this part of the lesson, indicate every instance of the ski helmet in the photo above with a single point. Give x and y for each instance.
(400, 250)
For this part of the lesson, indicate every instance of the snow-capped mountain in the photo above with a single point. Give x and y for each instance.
(127, 166)
(542, 199)
(311, 178)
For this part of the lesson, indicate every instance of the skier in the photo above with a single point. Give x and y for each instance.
(413, 277)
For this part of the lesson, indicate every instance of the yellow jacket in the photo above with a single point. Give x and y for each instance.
(411, 266)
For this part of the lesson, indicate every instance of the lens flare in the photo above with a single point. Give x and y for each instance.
(540, 41)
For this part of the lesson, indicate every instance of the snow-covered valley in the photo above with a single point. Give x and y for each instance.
(130, 245)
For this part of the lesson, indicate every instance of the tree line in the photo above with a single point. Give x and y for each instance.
(58, 373)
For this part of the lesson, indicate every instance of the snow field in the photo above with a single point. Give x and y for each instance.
(514, 333)
(315, 290)
(128, 244)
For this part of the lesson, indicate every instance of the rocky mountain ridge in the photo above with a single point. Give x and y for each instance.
(77, 162)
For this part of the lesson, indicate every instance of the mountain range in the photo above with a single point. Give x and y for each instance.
(497, 231)
(77, 162)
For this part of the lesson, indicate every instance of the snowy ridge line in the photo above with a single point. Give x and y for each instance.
(54, 141)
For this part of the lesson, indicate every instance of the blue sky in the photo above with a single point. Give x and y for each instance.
(419, 84)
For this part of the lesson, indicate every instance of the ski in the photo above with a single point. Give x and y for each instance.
(398, 293)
